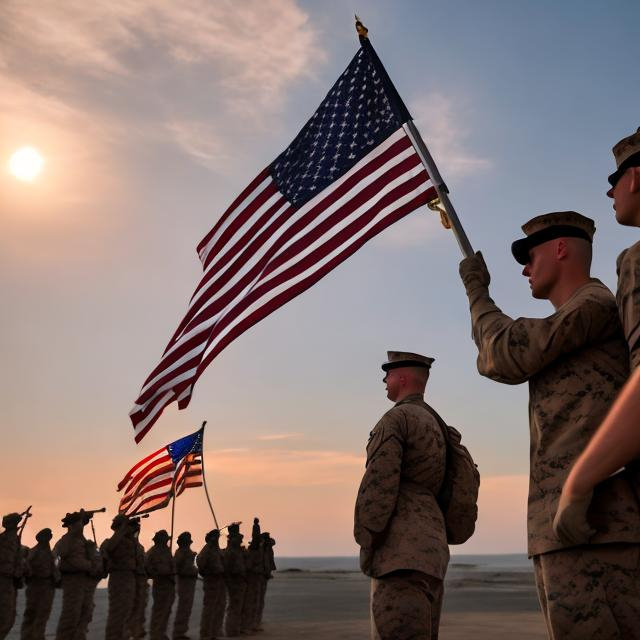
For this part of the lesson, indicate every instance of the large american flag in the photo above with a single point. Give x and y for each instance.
(150, 484)
(351, 172)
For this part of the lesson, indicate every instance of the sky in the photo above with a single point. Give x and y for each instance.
(153, 115)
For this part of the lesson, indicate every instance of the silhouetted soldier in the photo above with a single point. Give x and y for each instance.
(161, 570)
(42, 577)
(74, 565)
(119, 554)
(255, 530)
(254, 564)
(10, 571)
(268, 566)
(187, 575)
(137, 618)
(211, 569)
(235, 578)
(95, 574)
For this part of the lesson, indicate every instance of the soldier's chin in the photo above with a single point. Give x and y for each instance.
(627, 220)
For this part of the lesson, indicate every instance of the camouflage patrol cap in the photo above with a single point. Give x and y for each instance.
(44, 535)
(11, 519)
(396, 359)
(118, 520)
(184, 538)
(214, 534)
(72, 518)
(160, 535)
(234, 529)
(627, 154)
(549, 226)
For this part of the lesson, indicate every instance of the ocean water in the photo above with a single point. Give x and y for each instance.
(501, 562)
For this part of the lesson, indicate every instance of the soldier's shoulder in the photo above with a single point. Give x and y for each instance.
(628, 256)
(593, 297)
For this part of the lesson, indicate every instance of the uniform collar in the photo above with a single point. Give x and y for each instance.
(412, 398)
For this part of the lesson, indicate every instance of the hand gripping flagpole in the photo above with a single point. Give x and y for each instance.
(442, 204)
(204, 481)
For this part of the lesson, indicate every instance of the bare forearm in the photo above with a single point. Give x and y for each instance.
(616, 442)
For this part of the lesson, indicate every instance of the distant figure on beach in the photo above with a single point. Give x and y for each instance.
(235, 578)
(398, 522)
(10, 571)
(211, 569)
(617, 442)
(137, 619)
(268, 566)
(575, 361)
(42, 576)
(187, 575)
(162, 571)
(255, 529)
(74, 565)
(119, 553)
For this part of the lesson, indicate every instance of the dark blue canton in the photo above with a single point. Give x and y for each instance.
(352, 120)
(189, 444)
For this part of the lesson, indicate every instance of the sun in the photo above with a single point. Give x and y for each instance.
(26, 164)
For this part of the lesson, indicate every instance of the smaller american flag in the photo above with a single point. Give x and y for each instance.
(150, 484)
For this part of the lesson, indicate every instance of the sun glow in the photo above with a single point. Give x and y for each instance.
(26, 164)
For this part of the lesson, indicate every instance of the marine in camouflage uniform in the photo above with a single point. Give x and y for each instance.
(95, 574)
(139, 610)
(255, 570)
(398, 523)
(575, 362)
(162, 571)
(119, 554)
(211, 569)
(10, 571)
(235, 579)
(268, 567)
(74, 565)
(187, 576)
(42, 578)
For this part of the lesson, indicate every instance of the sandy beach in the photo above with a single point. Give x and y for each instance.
(484, 603)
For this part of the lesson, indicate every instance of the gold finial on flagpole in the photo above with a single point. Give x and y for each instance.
(436, 205)
(361, 29)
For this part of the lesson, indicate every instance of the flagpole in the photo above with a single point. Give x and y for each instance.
(204, 481)
(440, 187)
(173, 515)
(403, 116)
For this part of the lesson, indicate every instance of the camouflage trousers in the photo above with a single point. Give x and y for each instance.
(250, 605)
(590, 592)
(139, 610)
(7, 605)
(122, 591)
(39, 600)
(212, 607)
(74, 586)
(262, 592)
(163, 593)
(236, 588)
(86, 613)
(186, 589)
(405, 605)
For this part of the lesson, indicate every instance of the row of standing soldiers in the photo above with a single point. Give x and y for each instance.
(234, 580)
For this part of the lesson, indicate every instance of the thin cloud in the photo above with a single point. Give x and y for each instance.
(441, 123)
(279, 436)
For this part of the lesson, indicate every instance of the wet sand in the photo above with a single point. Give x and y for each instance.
(317, 605)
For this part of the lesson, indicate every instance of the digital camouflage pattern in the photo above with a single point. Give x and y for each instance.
(628, 299)
(161, 569)
(406, 605)
(96, 573)
(139, 609)
(187, 574)
(398, 523)
(10, 569)
(210, 566)
(254, 564)
(119, 552)
(235, 579)
(74, 566)
(590, 592)
(575, 362)
(40, 591)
